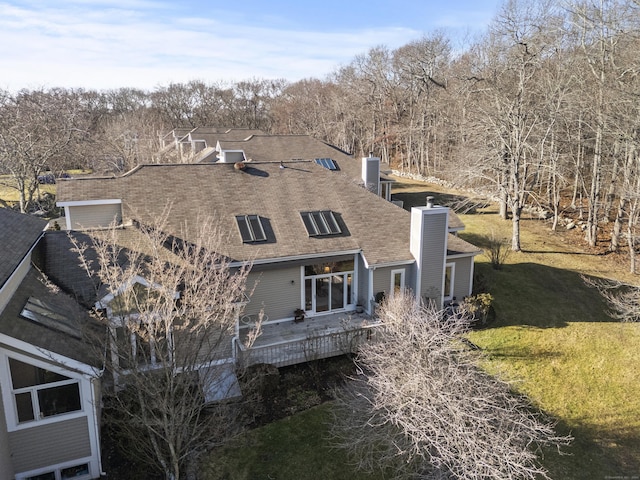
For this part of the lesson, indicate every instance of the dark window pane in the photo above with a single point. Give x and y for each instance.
(26, 375)
(24, 407)
(320, 224)
(75, 471)
(322, 294)
(309, 224)
(331, 222)
(337, 292)
(308, 294)
(256, 227)
(243, 226)
(57, 400)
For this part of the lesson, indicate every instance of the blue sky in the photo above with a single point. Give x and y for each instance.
(103, 44)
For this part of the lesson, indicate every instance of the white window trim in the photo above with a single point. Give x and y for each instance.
(94, 470)
(84, 203)
(392, 287)
(10, 408)
(349, 304)
(120, 322)
(223, 155)
(452, 282)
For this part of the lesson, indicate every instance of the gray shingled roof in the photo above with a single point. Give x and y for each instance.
(377, 227)
(458, 246)
(372, 224)
(274, 148)
(18, 233)
(212, 135)
(13, 324)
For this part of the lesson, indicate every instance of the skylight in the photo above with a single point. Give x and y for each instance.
(327, 163)
(39, 312)
(320, 223)
(251, 229)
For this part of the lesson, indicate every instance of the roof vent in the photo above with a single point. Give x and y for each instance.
(429, 201)
(239, 165)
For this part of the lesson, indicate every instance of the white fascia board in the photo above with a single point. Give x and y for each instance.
(81, 203)
(48, 356)
(313, 256)
(26, 258)
(389, 264)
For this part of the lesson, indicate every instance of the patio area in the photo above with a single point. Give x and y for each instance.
(287, 342)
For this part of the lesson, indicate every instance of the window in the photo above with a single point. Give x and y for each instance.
(75, 471)
(327, 163)
(139, 342)
(328, 286)
(44, 476)
(449, 274)
(66, 473)
(320, 223)
(40, 393)
(251, 229)
(397, 281)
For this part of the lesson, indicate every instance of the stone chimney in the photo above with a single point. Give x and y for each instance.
(371, 173)
(428, 245)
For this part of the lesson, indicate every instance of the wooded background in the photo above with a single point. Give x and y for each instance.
(543, 110)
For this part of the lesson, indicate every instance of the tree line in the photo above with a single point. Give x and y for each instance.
(541, 110)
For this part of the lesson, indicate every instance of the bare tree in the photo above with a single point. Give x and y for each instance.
(425, 409)
(36, 127)
(170, 309)
(599, 27)
(623, 298)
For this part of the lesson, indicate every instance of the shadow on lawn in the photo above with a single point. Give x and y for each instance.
(534, 295)
(595, 453)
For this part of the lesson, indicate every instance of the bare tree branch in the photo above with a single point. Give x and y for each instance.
(423, 407)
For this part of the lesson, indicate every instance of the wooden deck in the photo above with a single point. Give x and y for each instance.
(287, 343)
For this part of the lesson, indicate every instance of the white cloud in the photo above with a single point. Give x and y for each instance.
(140, 45)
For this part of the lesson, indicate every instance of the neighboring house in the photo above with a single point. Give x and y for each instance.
(49, 377)
(211, 145)
(198, 144)
(323, 248)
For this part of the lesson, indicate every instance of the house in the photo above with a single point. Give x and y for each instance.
(49, 377)
(323, 248)
(198, 144)
(230, 145)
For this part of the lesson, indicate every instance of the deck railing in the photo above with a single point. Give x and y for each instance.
(314, 346)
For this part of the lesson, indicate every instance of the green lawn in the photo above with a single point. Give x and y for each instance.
(9, 194)
(293, 448)
(551, 337)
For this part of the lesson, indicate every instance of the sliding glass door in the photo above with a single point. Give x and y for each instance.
(328, 287)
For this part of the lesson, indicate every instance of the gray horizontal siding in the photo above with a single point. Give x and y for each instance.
(462, 279)
(49, 444)
(92, 216)
(435, 238)
(382, 279)
(275, 292)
